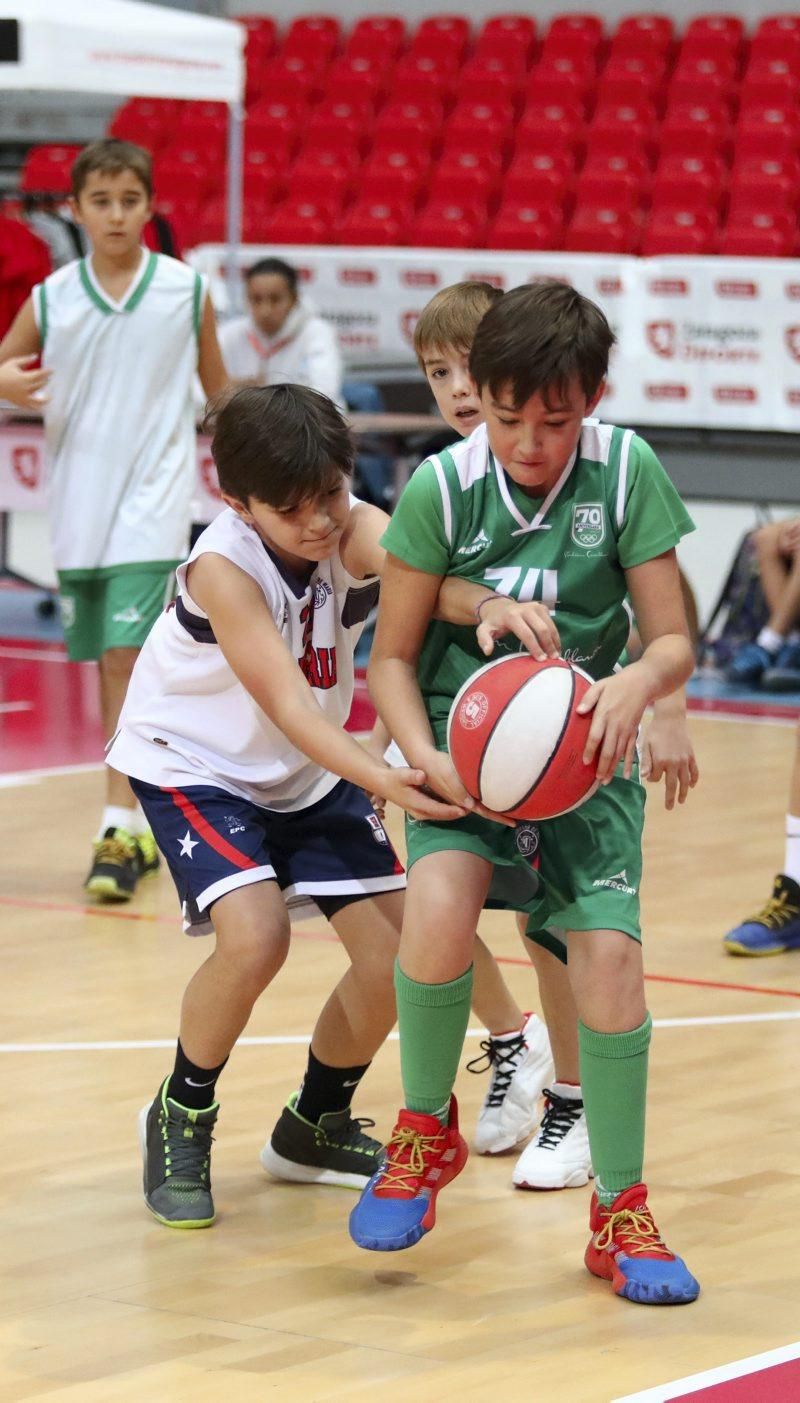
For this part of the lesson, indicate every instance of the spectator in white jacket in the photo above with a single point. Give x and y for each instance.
(281, 340)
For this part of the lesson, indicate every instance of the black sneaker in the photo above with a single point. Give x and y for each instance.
(115, 870)
(176, 1150)
(334, 1152)
(148, 856)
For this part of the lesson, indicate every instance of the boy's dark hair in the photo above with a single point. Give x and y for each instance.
(279, 444)
(111, 157)
(538, 339)
(277, 266)
(452, 317)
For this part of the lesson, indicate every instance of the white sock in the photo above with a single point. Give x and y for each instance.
(139, 823)
(115, 816)
(791, 864)
(568, 1090)
(770, 640)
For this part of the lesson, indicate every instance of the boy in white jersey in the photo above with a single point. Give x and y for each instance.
(232, 731)
(523, 484)
(558, 1157)
(121, 333)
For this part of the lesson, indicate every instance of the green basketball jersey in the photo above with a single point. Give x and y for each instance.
(461, 514)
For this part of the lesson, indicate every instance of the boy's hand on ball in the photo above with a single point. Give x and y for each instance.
(531, 623)
(618, 703)
(424, 795)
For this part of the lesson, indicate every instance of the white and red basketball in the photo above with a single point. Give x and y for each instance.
(517, 740)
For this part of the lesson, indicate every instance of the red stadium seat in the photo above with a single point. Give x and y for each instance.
(580, 30)
(507, 37)
(291, 80)
(321, 175)
(448, 224)
(355, 78)
(785, 28)
(613, 178)
(465, 177)
(548, 127)
(602, 228)
(768, 132)
(771, 81)
(341, 119)
(631, 76)
(537, 177)
(765, 183)
(617, 128)
(262, 25)
(392, 175)
(725, 31)
(415, 120)
(487, 120)
(47, 169)
(703, 80)
(374, 222)
(686, 231)
(760, 235)
(442, 35)
(694, 129)
(314, 37)
(564, 79)
(639, 33)
(688, 180)
(200, 135)
(300, 221)
(491, 77)
(274, 124)
(528, 226)
(150, 131)
(379, 37)
(186, 181)
(421, 77)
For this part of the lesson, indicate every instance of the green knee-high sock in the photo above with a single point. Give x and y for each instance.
(433, 1021)
(614, 1081)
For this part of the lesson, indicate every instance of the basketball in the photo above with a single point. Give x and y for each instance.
(516, 738)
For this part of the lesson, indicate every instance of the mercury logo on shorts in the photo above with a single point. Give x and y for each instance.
(619, 882)
(526, 837)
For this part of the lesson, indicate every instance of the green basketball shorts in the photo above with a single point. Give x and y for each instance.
(112, 608)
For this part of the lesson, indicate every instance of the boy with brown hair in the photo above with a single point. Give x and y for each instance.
(508, 505)
(121, 334)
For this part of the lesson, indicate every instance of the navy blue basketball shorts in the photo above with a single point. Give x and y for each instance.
(322, 858)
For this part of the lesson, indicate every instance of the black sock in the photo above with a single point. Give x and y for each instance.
(193, 1086)
(326, 1088)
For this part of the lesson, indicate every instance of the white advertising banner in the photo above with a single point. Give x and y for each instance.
(701, 342)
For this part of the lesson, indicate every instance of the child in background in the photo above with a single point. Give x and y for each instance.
(776, 927)
(510, 499)
(772, 661)
(121, 334)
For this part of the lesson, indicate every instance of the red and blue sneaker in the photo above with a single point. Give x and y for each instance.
(776, 927)
(398, 1205)
(627, 1249)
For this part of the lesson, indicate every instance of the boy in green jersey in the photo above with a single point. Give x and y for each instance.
(541, 502)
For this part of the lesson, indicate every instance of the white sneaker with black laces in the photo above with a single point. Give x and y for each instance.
(521, 1065)
(559, 1157)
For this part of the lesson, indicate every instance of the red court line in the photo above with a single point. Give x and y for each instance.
(677, 979)
(729, 706)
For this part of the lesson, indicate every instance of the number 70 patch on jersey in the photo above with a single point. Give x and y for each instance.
(588, 523)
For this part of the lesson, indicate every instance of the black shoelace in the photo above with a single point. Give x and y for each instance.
(560, 1115)
(503, 1057)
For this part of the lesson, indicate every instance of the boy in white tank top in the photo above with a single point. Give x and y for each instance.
(121, 334)
(233, 732)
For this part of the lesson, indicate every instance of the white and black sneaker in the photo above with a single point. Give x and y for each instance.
(559, 1157)
(521, 1066)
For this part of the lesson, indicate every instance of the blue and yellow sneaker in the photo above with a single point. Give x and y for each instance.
(626, 1249)
(398, 1205)
(776, 927)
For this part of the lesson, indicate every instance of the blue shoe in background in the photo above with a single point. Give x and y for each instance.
(749, 664)
(783, 675)
(776, 927)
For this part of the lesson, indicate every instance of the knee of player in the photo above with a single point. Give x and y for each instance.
(256, 953)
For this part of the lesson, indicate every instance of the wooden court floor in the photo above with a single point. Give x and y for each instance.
(99, 1304)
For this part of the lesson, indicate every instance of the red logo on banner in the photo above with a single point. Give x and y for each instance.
(420, 277)
(208, 473)
(668, 287)
(661, 338)
(730, 288)
(609, 287)
(792, 291)
(26, 465)
(357, 277)
(735, 394)
(792, 335)
(306, 275)
(793, 396)
(666, 391)
(408, 321)
(494, 279)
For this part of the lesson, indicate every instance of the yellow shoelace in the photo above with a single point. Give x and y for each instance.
(777, 909)
(114, 850)
(397, 1174)
(636, 1230)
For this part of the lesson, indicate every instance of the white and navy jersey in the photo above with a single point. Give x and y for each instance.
(187, 719)
(119, 425)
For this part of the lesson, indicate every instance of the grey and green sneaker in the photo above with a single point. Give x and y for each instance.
(176, 1151)
(115, 867)
(334, 1152)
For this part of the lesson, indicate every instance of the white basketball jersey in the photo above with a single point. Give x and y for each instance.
(119, 426)
(188, 720)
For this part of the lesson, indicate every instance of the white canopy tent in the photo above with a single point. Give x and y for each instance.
(133, 49)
